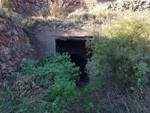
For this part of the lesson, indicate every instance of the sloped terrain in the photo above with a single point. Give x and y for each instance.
(15, 47)
(46, 7)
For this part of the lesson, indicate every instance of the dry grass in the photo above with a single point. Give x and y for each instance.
(136, 102)
(7, 5)
(0, 3)
(57, 9)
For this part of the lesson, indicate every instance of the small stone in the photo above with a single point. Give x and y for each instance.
(2, 27)
(3, 66)
(15, 32)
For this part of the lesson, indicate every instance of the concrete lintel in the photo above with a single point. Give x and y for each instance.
(74, 38)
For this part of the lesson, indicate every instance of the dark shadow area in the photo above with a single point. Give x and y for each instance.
(80, 62)
(78, 54)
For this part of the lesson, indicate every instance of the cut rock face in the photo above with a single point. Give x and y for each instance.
(14, 48)
(46, 7)
(32, 7)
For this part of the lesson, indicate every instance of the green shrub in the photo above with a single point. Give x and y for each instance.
(46, 86)
(118, 70)
(122, 58)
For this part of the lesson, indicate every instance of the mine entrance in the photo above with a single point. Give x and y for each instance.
(78, 55)
(80, 62)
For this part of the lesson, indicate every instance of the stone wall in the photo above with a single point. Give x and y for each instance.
(14, 48)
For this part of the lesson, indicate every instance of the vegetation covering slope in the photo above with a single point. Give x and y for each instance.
(119, 72)
(45, 86)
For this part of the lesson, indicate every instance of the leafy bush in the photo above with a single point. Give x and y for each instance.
(118, 70)
(122, 58)
(45, 86)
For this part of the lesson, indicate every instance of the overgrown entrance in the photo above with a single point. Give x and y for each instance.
(78, 53)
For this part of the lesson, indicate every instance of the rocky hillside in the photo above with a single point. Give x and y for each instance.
(14, 43)
(14, 48)
(59, 8)
(136, 5)
(46, 7)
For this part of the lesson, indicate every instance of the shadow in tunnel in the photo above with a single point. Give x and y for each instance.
(78, 55)
(80, 62)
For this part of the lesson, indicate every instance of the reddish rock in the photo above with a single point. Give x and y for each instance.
(46, 7)
(14, 48)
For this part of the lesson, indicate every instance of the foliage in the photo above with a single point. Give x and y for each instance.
(3, 13)
(7, 4)
(118, 69)
(87, 102)
(129, 24)
(94, 100)
(45, 86)
(121, 61)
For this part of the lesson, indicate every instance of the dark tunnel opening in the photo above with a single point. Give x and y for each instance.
(78, 54)
(80, 62)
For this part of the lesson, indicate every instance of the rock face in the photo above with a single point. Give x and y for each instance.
(32, 7)
(14, 48)
(46, 7)
(133, 5)
(64, 7)
(137, 5)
